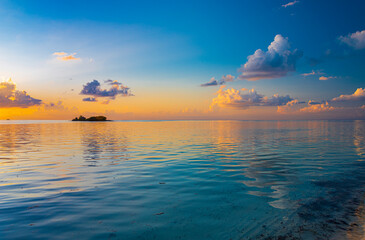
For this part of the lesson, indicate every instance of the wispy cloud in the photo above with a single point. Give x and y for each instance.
(355, 40)
(63, 56)
(309, 74)
(312, 73)
(215, 82)
(59, 53)
(10, 97)
(276, 62)
(312, 102)
(323, 78)
(290, 4)
(93, 89)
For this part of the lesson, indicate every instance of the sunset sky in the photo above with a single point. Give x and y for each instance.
(268, 59)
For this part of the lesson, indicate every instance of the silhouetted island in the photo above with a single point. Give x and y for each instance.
(93, 118)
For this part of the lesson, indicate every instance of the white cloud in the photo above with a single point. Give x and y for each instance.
(355, 40)
(276, 62)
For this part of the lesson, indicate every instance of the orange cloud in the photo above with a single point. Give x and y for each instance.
(288, 107)
(63, 56)
(315, 108)
(323, 78)
(59, 53)
(358, 95)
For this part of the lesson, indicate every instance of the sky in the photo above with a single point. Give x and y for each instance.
(156, 60)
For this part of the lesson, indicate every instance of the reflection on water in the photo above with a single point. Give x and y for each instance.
(182, 180)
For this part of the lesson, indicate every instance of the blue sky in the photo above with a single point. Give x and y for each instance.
(167, 46)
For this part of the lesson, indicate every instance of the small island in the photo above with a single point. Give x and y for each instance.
(93, 118)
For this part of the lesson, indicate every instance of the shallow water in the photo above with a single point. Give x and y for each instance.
(182, 180)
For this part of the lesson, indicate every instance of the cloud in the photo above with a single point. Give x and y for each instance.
(93, 89)
(311, 102)
(89, 99)
(276, 62)
(58, 106)
(212, 82)
(289, 106)
(65, 56)
(290, 4)
(238, 99)
(312, 73)
(228, 78)
(315, 108)
(309, 74)
(323, 78)
(59, 53)
(358, 95)
(355, 40)
(215, 82)
(10, 97)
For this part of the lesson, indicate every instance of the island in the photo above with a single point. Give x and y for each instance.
(93, 118)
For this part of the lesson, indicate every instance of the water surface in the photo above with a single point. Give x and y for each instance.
(182, 180)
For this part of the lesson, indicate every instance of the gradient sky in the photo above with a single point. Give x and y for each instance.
(182, 59)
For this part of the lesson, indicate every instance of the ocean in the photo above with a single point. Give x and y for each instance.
(182, 180)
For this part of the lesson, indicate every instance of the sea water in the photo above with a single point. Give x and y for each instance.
(182, 180)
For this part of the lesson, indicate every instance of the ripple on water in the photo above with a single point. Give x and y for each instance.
(182, 180)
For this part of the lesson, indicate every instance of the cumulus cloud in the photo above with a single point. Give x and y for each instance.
(355, 40)
(315, 108)
(63, 56)
(276, 62)
(289, 106)
(215, 82)
(358, 95)
(94, 89)
(245, 98)
(10, 97)
(290, 4)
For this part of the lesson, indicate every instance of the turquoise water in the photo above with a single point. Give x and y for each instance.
(182, 180)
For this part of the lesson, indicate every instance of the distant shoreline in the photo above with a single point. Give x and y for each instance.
(90, 119)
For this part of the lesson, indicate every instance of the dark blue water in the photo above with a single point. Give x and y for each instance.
(182, 180)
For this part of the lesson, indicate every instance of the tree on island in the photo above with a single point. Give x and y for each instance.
(93, 118)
